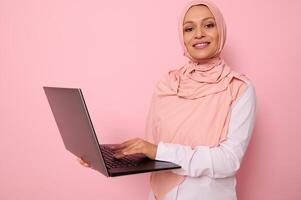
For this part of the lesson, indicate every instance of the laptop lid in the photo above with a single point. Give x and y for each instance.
(74, 123)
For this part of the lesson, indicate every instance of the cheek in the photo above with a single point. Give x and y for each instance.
(186, 38)
(216, 36)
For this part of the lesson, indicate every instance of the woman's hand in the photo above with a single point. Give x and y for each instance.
(134, 146)
(82, 162)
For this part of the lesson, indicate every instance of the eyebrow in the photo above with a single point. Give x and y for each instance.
(202, 20)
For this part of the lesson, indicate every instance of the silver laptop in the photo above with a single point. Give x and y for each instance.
(79, 137)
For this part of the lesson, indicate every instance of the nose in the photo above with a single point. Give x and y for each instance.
(199, 32)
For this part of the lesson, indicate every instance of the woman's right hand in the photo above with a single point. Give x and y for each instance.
(82, 162)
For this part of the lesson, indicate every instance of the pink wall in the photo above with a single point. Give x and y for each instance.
(115, 51)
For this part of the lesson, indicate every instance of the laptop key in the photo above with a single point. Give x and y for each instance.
(113, 162)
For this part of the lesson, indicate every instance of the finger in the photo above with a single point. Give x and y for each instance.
(127, 151)
(113, 146)
(138, 148)
(82, 162)
(132, 151)
(129, 142)
(132, 146)
(79, 159)
(118, 146)
(118, 155)
(125, 144)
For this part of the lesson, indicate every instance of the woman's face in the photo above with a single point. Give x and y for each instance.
(200, 33)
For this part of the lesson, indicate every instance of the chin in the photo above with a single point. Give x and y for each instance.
(202, 57)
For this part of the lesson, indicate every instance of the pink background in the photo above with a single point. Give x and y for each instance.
(116, 51)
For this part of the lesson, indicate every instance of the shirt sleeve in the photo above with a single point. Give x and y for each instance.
(223, 160)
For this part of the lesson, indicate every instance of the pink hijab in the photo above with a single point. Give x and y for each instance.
(191, 105)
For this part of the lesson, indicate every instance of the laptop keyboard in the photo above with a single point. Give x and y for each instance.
(112, 162)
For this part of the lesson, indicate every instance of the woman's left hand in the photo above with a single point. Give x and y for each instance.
(134, 146)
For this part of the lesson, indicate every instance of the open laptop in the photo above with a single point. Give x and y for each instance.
(72, 118)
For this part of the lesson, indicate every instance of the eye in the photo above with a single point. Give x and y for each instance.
(210, 25)
(188, 29)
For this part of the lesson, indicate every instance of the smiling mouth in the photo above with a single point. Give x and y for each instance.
(201, 45)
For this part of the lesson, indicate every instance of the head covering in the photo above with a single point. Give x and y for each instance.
(191, 105)
(220, 22)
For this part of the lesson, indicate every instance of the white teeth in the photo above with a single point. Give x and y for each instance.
(201, 44)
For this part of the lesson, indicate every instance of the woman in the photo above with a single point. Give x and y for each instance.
(201, 116)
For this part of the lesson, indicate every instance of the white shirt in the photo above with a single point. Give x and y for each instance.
(210, 172)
